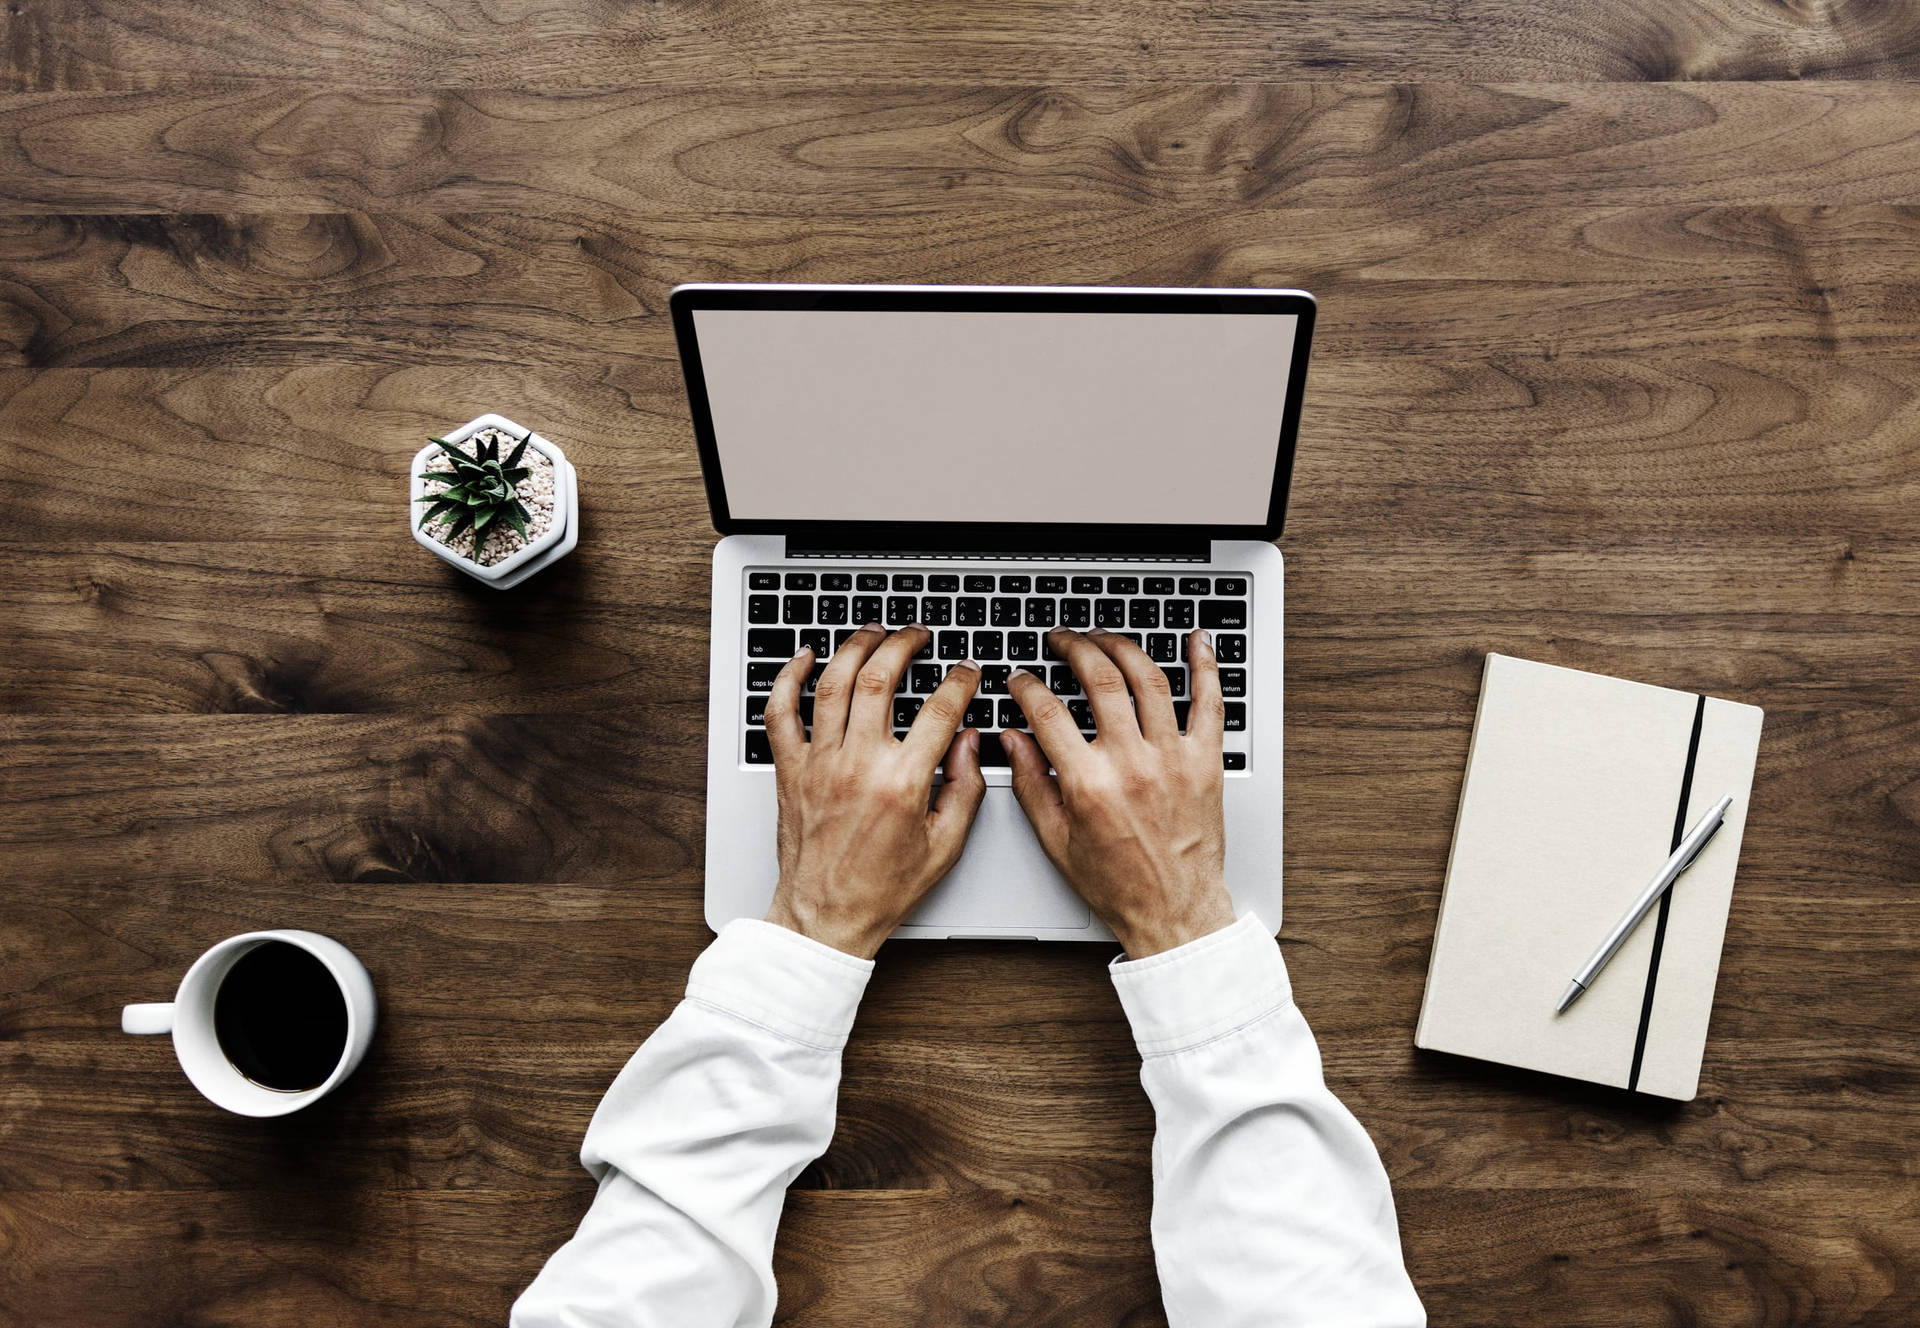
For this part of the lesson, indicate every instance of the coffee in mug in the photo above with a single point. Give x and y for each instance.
(268, 1022)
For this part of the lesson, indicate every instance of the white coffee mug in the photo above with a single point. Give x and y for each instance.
(189, 1017)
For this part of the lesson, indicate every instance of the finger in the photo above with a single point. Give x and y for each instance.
(958, 800)
(835, 688)
(785, 733)
(1054, 729)
(1152, 696)
(1037, 791)
(1105, 686)
(1206, 717)
(939, 718)
(871, 712)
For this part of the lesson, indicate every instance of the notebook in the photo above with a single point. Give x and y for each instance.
(1578, 787)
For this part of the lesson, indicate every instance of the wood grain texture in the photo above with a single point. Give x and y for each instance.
(1615, 369)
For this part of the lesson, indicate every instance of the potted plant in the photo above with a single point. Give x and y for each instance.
(500, 502)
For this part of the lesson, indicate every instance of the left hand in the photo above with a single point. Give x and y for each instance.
(859, 845)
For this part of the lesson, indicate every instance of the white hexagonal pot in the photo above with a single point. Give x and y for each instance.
(550, 548)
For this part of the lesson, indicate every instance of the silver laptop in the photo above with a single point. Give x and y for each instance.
(992, 462)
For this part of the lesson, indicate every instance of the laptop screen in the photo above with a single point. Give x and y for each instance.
(958, 415)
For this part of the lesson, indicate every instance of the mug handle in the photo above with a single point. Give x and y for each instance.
(147, 1018)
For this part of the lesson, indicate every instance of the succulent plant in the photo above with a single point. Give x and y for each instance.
(480, 491)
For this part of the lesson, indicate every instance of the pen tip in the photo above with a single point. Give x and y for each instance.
(1572, 994)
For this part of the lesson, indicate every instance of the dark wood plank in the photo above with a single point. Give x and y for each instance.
(1378, 151)
(526, 43)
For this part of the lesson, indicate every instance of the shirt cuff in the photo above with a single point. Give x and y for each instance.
(785, 982)
(1204, 989)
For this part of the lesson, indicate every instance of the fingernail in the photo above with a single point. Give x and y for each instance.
(1207, 636)
(916, 627)
(871, 627)
(1098, 631)
(1020, 668)
(967, 664)
(973, 740)
(803, 650)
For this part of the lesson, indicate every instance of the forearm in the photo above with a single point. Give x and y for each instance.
(1270, 1203)
(697, 1140)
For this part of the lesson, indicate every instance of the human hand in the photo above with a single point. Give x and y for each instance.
(1134, 821)
(858, 844)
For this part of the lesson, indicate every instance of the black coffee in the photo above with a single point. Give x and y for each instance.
(281, 1018)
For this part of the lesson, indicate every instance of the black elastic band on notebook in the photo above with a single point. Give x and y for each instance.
(1660, 923)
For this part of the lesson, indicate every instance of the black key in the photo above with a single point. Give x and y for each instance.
(1011, 716)
(993, 679)
(943, 584)
(979, 585)
(836, 581)
(1086, 585)
(763, 608)
(813, 678)
(1233, 682)
(1176, 681)
(800, 580)
(770, 643)
(991, 752)
(1109, 613)
(971, 612)
(908, 581)
(1222, 613)
(1180, 709)
(1230, 649)
(1123, 585)
(1061, 682)
(757, 709)
(840, 637)
(988, 645)
(867, 609)
(806, 711)
(1050, 585)
(953, 645)
(763, 580)
(797, 609)
(1082, 712)
(760, 676)
(1236, 717)
(926, 677)
(1158, 585)
(1006, 613)
(873, 581)
(1179, 614)
(979, 715)
(926, 648)
(900, 735)
(1015, 585)
(833, 609)
(1195, 585)
(902, 610)
(818, 641)
(1134, 637)
(1039, 613)
(1233, 760)
(936, 612)
(1143, 613)
(759, 750)
(1230, 585)
(905, 708)
(1163, 648)
(1076, 613)
(1022, 646)
(1047, 652)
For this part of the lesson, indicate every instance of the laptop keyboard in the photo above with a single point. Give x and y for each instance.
(1000, 620)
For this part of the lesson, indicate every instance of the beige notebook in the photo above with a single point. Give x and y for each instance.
(1578, 788)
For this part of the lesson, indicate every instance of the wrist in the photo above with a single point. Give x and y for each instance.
(1169, 929)
(860, 938)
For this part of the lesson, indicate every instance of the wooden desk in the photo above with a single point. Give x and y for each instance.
(1612, 372)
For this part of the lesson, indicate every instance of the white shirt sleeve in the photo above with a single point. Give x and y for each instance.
(696, 1142)
(1270, 1206)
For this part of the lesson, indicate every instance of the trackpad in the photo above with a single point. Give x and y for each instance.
(1003, 879)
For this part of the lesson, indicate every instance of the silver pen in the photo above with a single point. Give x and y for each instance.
(1682, 858)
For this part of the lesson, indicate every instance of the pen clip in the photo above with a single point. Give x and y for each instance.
(1703, 844)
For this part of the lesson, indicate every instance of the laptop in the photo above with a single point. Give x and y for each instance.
(992, 462)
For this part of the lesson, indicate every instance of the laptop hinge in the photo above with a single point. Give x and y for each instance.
(1181, 551)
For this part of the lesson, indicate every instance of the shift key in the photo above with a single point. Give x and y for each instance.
(1223, 613)
(770, 643)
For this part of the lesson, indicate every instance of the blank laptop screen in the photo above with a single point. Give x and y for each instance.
(912, 415)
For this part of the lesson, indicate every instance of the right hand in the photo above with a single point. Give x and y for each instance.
(1134, 820)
